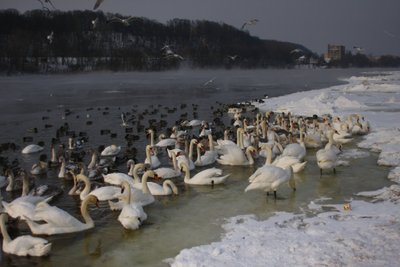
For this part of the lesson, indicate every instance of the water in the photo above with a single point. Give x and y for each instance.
(176, 222)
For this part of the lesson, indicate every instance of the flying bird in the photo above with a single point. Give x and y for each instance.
(50, 37)
(97, 4)
(209, 81)
(95, 22)
(297, 50)
(233, 58)
(392, 35)
(249, 23)
(358, 49)
(126, 21)
(46, 2)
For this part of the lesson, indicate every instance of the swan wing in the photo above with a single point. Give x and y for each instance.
(55, 216)
(117, 178)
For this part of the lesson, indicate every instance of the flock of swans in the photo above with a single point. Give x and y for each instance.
(283, 139)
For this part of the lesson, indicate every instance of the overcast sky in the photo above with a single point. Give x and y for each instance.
(373, 25)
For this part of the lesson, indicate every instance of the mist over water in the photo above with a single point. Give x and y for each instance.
(192, 218)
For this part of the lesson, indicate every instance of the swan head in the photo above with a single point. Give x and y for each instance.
(92, 199)
(129, 163)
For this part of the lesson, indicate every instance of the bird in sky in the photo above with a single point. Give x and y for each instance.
(209, 81)
(358, 49)
(95, 22)
(390, 34)
(297, 50)
(97, 4)
(126, 21)
(46, 2)
(50, 37)
(249, 23)
(233, 58)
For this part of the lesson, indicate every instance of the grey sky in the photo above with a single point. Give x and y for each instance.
(371, 24)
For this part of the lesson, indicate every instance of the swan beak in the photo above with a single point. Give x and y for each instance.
(156, 177)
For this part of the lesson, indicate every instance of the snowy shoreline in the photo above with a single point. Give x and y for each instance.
(367, 234)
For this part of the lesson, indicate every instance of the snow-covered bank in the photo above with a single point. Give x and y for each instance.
(325, 235)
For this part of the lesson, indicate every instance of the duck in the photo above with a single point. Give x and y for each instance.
(58, 221)
(30, 149)
(234, 156)
(25, 245)
(271, 178)
(211, 176)
(132, 214)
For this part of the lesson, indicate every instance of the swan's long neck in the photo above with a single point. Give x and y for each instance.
(187, 172)
(53, 155)
(152, 138)
(263, 128)
(198, 153)
(226, 137)
(330, 140)
(73, 189)
(174, 163)
(241, 139)
(136, 178)
(10, 179)
(148, 155)
(238, 131)
(86, 190)
(211, 142)
(268, 161)
(93, 161)
(169, 185)
(191, 149)
(6, 236)
(249, 156)
(25, 185)
(61, 174)
(145, 187)
(302, 138)
(85, 213)
(126, 197)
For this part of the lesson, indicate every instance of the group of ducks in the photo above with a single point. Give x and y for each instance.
(269, 135)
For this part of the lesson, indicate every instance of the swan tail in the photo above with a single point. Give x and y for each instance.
(41, 249)
(298, 167)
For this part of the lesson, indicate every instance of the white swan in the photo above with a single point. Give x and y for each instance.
(327, 157)
(59, 221)
(111, 151)
(152, 160)
(32, 149)
(281, 161)
(167, 173)
(296, 150)
(209, 157)
(165, 142)
(102, 193)
(23, 245)
(39, 168)
(132, 214)
(233, 155)
(93, 160)
(210, 176)
(270, 178)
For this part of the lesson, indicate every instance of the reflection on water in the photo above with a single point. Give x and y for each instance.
(194, 217)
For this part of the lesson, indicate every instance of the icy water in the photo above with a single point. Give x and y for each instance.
(194, 216)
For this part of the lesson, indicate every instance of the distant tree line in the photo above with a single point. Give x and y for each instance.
(43, 41)
(361, 60)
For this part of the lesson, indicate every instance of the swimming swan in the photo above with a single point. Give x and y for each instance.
(59, 221)
(25, 245)
(233, 155)
(207, 177)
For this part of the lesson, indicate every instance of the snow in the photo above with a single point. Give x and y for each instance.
(365, 234)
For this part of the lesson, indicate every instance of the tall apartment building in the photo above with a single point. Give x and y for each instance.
(335, 53)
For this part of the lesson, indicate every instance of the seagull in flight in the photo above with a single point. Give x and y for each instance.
(249, 23)
(50, 37)
(95, 22)
(297, 50)
(97, 4)
(169, 54)
(233, 58)
(209, 81)
(126, 21)
(358, 49)
(46, 2)
(388, 33)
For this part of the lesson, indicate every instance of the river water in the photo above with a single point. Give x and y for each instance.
(176, 222)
